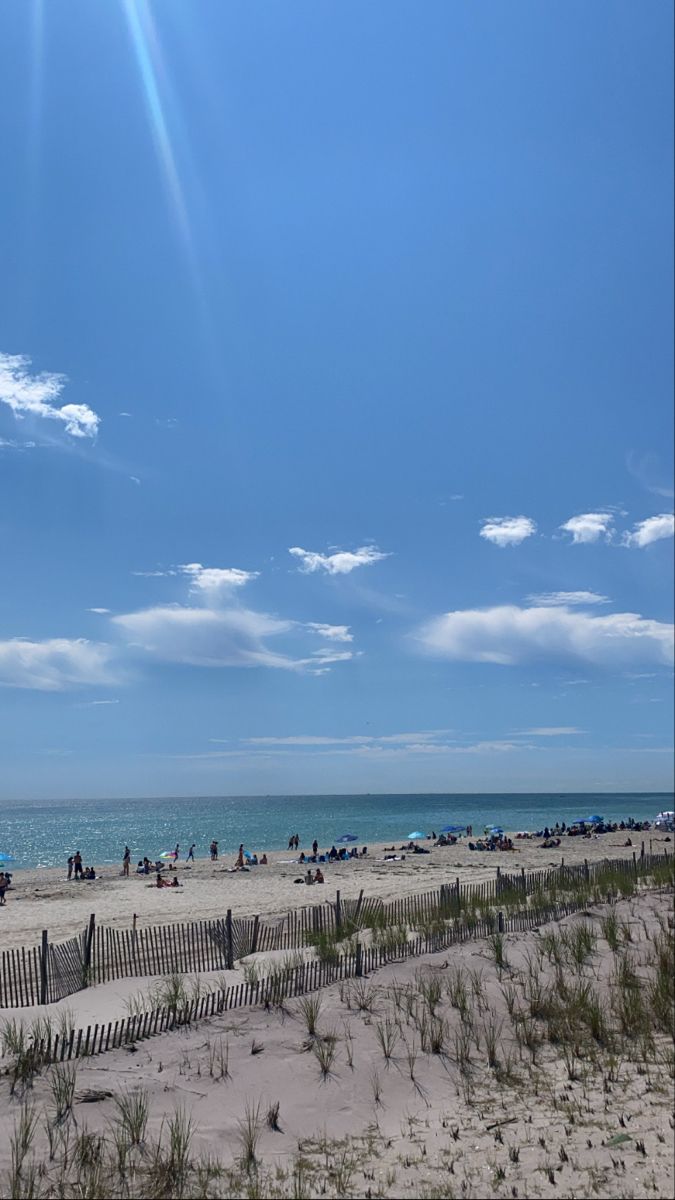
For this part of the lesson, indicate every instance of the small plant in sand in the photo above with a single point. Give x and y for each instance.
(62, 1083)
(250, 1128)
(492, 1032)
(132, 1110)
(610, 931)
(251, 971)
(324, 1052)
(309, 1008)
(363, 996)
(273, 1117)
(497, 945)
(388, 1035)
(219, 1059)
(457, 989)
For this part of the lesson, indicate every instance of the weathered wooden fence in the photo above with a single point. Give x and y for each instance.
(41, 975)
(285, 985)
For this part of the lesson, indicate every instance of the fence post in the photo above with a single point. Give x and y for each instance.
(500, 921)
(635, 865)
(522, 876)
(457, 890)
(358, 969)
(44, 952)
(229, 946)
(358, 906)
(254, 937)
(338, 912)
(642, 850)
(586, 871)
(87, 950)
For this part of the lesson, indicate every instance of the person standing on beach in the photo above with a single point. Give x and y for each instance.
(191, 853)
(70, 867)
(315, 847)
(77, 864)
(214, 850)
(125, 861)
(3, 886)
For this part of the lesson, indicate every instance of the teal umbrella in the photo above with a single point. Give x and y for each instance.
(416, 833)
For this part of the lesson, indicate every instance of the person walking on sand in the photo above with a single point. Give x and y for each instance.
(240, 856)
(191, 853)
(77, 864)
(125, 861)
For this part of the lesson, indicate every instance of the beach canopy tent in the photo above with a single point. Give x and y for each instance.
(588, 820)
(494, 828)
(453, 828)
(348, 837)
(417, 833)
(665, 819)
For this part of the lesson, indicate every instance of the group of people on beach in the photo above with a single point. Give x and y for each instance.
(332, 855)
(77, 870)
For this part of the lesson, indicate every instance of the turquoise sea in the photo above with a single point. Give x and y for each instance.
(42, 833)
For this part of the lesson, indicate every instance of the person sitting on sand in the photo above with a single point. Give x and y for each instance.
(318, 877)
(332, 853)
(364, 851)
(263, 861)
(302, 856)
(175, 883)
(309, 878)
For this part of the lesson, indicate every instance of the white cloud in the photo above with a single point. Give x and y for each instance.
(556, 599)
(54, 664)
(36, 395)
(357, 739)
(206, 637)
(590, 527)
(551, 731)
(215, 583)
(332, 633)
(651, 530)
(508, 531)
(507, 634)
(341, 562)
(99, 610)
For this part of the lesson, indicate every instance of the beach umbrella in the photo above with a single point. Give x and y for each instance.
(416, 833)
(453, 828)
(247, 854)
(168, 854)
(596, 820)
(6, 858)
(348, 837)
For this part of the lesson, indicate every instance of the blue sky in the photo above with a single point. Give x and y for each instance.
(335, 397)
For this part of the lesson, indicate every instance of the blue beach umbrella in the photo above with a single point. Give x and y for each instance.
(595, 820)
(416, 833)
(6, 858)
(453, 828)
(348, 837)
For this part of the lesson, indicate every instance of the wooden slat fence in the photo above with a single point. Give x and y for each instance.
(34, 975)
(308, 977)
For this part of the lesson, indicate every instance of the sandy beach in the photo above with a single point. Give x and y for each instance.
(386, 1114)
(44, 899)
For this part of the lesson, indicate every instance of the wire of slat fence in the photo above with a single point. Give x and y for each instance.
(39, 975)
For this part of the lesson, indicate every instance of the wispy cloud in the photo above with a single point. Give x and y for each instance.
(332, 633)
(37, 396)
(55, 664)
(649, 471)
(590, 527)
(358, 739)
(557, 599)
(206, 637)
(550, 731)
(507, 634)
(508, 531)
(340, 562)
(651, 530)
(100, 611)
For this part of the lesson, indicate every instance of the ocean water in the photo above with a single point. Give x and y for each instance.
(42, 833)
